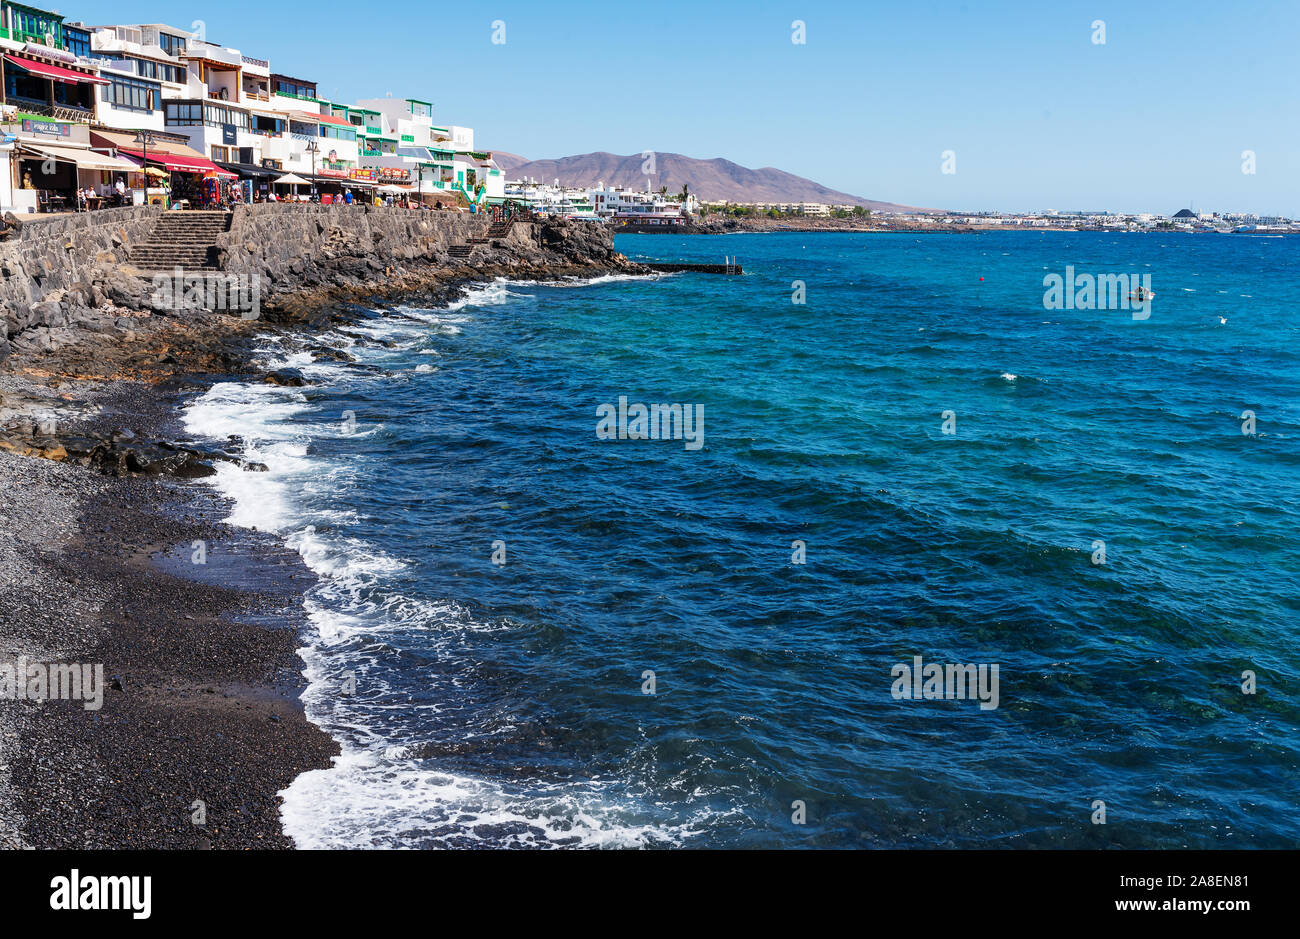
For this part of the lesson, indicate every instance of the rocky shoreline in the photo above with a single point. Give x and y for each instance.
(102, 519)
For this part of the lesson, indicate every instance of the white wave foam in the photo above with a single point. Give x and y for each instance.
(493, 294)
(376, 794)
(368, 800)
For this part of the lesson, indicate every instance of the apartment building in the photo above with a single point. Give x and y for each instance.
(160, 96)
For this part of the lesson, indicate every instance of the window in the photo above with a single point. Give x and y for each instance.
(36, 26)
(219, 116)
(184, 113)
(172, 45)
(132, 95)
(77, 41)
(146, 68)
(72, 96)
(267, 125)
(296, 89)
(220, 154)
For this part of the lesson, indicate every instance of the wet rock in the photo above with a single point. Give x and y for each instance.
(288, 377)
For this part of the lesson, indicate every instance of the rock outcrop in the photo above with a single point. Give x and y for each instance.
(66, 282)
(58, 273)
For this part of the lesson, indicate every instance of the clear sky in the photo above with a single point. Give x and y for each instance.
(1037, 114)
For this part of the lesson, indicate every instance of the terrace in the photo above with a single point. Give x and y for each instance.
(21, 23)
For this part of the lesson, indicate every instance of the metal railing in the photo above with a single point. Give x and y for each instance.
(57, 111)
(19, 35)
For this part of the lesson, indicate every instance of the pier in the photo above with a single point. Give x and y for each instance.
(730, 268)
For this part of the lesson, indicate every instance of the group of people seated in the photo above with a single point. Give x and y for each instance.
(116, 195)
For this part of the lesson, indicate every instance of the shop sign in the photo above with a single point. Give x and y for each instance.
(47, 128)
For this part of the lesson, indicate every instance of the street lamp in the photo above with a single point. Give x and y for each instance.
(313, 148)
(144, 138)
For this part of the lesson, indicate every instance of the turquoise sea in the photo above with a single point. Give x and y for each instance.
(482, 703)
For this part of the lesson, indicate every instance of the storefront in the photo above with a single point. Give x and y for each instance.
(253, 181)
(50, 166)
(74, 178)
(333, 186)
(179, 174)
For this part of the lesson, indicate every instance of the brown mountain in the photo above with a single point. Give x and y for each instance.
(710, 180)
(508, 161)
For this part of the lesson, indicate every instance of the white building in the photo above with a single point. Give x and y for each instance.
(404, 145)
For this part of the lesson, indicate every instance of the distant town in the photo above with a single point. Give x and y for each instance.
(659, 209)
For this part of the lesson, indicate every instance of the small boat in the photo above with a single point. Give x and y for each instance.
(1142, 294)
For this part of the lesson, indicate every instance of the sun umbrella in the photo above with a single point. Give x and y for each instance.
(289, 179)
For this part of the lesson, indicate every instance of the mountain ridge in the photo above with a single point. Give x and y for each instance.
(711, 180)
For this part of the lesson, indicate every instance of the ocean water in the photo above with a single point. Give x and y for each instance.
(487, 704)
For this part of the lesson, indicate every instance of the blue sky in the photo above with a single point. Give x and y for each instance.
(1037, 114)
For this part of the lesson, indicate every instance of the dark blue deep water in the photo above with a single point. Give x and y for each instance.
(504, 705)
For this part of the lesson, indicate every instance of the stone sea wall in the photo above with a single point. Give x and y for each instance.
(66, 279)
(283, 243)
(303, 247)
(55, 271)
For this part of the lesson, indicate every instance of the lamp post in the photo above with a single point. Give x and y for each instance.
(313, 148)
(144, 138)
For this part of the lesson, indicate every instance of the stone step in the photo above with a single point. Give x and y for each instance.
(180, 257)
(211, 234)
(191, 222)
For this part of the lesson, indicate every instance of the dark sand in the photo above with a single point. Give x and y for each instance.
(204, 655)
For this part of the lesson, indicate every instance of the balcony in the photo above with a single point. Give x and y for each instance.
(18, 35)
(285, 94)
(60, 112)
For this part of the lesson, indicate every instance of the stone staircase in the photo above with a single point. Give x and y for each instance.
(497, 230)
(184, 239)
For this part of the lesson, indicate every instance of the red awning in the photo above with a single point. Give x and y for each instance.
(181, 164)
(334, 119)
(55, 72)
